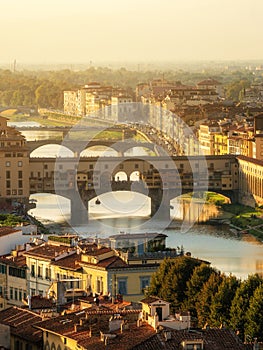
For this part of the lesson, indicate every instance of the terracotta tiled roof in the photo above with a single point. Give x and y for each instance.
(70, 262)
(39, 302)
(98, 322)
(149, 300)
(5, 230)
(99, 251)
(47, 251)
(19, 261)
(112, 262)
(21, 322)
(216, 339)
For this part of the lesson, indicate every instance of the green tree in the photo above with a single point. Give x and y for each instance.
(194, 286)
(222, 300)
(203, 306)
(254, 324)
(240, 303)
(169, 282)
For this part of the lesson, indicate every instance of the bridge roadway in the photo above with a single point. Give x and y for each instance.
(160, 178)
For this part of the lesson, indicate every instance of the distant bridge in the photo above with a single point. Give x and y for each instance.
(119, 146)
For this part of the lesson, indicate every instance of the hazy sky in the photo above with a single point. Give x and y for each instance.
(47, 31)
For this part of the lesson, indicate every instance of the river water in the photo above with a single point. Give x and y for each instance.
(126, 211)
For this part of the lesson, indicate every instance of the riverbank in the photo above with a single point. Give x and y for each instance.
(246, 220)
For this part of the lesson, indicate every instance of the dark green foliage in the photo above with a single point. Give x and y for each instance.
(240, 303)
(221, 302)
(10, 220)
(194, 286)
(254, 324)
(169, 282)
(203, 306)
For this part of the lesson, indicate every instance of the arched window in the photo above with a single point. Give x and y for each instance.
(47, 347)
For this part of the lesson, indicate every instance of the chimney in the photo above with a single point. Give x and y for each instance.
(167, 335)
(29, 302)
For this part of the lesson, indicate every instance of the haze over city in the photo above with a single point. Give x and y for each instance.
(132, 30)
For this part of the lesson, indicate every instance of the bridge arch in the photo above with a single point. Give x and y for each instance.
(120, 204)
(51, 150)
(121, 176)
(99, 150)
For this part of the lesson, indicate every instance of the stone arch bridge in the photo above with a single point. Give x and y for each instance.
(160, 178)
(76, 147)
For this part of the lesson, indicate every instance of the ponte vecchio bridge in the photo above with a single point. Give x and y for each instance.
(160, 178)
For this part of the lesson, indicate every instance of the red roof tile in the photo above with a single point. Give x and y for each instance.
(5, 230)
(21, 322)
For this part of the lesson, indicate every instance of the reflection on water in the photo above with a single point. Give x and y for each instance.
(217, 244)
(193, 211)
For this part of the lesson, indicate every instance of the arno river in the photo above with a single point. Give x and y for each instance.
(227, 252)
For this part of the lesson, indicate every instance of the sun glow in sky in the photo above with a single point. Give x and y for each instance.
(48, 31)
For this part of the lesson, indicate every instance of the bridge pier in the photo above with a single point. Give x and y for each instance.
(160, 204)
(78, 211)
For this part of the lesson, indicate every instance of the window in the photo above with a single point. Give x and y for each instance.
(16, 294)
(48, 273)
(1, 291)
(20, 192)
(33, 292)
(33, 273)
(8, 184)
(20, 183)
(20, 295)
(17, 272)
(20, 174)
(39, 271)
(45, 166)
(14, 192)
(8, 174)
(144, 282)
(91, 166)
(136, 166)
(7, 163)
(2, 268)
(122, 286)
(11, 293)
(20, 163)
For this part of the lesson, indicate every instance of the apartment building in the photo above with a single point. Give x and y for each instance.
(14, 169)
(94, 100)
